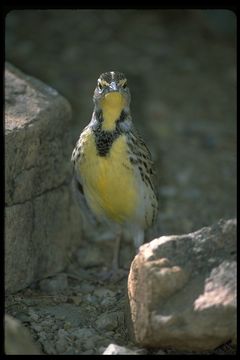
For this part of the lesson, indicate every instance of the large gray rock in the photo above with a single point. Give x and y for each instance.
(42, 221)
(17, 339)
(182, 290)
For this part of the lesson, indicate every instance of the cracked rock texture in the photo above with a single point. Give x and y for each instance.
(182, 289)
(41, 229)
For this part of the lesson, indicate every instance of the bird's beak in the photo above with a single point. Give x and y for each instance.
(113, 86)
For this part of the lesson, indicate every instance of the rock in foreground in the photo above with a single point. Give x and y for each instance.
(182, 290)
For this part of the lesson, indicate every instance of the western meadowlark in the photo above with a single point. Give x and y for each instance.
(113, 173)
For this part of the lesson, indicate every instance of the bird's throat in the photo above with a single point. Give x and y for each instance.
(112, 105)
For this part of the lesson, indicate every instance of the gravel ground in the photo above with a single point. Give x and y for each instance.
(76, 313)
(181, 67)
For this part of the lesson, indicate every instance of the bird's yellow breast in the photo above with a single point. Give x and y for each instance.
(108, 181)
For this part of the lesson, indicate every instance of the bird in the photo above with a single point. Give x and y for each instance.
(113, 173)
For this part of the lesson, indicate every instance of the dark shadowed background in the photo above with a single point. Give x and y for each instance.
(181, 66)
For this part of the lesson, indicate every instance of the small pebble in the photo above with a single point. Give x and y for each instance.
(36, 327)
(70, 351)
(77, 299)
(88, 344)
(102, 292)
(49, 348)
(62, 333)
(55, 284)
(33, 316)
(91, 299)
(61, 345)
(83, 333)
(107, 321)
(101, 349)
(42, 335)
(107, 301)
(46, 323)
(67, 325)
(86, 287)
(88, 352)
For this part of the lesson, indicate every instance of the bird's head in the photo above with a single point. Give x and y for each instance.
(112, 87)
(112, 97)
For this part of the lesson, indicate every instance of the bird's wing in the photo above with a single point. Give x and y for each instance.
(77, 187)
(144, 158)
(78, 194)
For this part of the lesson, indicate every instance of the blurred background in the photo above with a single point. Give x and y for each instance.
(181, 67)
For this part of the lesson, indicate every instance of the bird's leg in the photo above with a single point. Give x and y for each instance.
(115, 261)
(115, 274)
(138, 239)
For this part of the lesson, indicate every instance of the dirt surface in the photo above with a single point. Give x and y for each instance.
(181, 67)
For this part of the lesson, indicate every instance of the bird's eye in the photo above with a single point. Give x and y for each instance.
(100, 86)
(124, 85)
